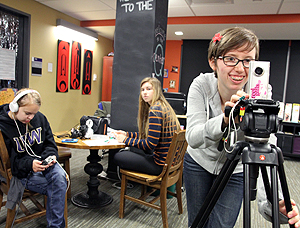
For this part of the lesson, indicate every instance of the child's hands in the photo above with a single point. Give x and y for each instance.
(38, 167)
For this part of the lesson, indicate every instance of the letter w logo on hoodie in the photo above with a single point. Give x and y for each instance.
(31, 137)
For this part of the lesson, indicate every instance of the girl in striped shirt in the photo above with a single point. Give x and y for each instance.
(157, 123)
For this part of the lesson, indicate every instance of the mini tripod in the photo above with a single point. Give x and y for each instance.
(256, 153)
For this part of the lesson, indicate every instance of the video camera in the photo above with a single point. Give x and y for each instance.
(99, 126)
(258, 115)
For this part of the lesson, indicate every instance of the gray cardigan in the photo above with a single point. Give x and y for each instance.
(202, 135)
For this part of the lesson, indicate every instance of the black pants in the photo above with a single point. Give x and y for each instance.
(137, 160)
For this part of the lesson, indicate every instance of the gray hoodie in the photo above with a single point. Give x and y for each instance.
(203, 136)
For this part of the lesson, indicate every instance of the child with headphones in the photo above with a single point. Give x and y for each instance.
(33, 153)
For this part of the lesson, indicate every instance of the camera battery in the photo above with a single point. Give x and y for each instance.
(258, 80)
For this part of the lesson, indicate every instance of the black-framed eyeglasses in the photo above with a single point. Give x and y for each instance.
(233, 61)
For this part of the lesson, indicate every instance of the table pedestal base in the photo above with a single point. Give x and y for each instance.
(83, 200)
(92, 198)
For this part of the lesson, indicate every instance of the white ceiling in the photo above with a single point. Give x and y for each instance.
(86, 10)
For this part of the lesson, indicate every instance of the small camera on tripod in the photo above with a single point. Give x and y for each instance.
(258, 80)
(260, 117)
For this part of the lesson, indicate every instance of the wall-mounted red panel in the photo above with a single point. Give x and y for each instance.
(107, 78)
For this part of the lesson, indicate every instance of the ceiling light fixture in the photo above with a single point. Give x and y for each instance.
(196, 2)
(178, 33)
(67, 25)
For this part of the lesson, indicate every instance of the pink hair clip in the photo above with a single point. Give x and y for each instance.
(217, 37)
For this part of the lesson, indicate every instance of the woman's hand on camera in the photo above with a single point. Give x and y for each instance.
(234, 98)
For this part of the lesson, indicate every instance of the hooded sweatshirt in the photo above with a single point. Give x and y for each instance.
(39, 141)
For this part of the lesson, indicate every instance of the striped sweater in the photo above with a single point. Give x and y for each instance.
(157, 142)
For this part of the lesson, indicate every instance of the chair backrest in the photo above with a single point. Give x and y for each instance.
(5, 168)
(174, 160)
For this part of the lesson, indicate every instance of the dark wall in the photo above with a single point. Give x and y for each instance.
(293, 84)
(194, 61)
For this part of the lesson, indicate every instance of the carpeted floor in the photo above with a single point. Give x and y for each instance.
(137, 215)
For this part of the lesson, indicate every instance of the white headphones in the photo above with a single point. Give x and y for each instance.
(13, 106)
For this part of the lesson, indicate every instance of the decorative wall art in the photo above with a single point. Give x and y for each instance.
(87, 72)
(172, 84)
(175, 69)
(63, 48)
(166, 73)
(75, 65)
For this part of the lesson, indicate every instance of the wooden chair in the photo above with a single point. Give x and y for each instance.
(5, 171)
(64, 155)
(171, 174)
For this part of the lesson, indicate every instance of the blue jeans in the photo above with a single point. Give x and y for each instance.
(198, 183)
(53, 183)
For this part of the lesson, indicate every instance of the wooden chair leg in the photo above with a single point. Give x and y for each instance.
(10, 217)
(67, 168)
(179, 196)
(163, 206)
(66, 211)
(143, 189)
(122, 196)
(1, 199)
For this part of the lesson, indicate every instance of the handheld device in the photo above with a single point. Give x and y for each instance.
(48, 160)
(69, 140)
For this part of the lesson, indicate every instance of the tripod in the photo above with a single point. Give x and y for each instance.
(255, 155)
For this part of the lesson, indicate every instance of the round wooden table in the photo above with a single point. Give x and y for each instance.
(93, 198)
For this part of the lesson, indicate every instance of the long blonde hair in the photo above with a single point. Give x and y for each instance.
(143, 115)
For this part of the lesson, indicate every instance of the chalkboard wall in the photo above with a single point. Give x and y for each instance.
(194, 61)
(139, 52)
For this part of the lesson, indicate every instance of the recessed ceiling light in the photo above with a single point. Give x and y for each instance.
(179, 33)
(196, 2)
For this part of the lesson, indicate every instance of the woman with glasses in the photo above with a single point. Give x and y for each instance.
(229, 54)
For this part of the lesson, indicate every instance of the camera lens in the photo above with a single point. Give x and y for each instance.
(258, 71)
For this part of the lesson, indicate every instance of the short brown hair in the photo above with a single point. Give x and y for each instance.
(233, 38)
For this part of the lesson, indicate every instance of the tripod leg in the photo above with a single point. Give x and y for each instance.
(250, 179)
(283, 182)
(246, 203)
(266, 183)
(275, 205)
(285, 191)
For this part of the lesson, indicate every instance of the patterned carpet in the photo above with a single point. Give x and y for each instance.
(138, 215)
